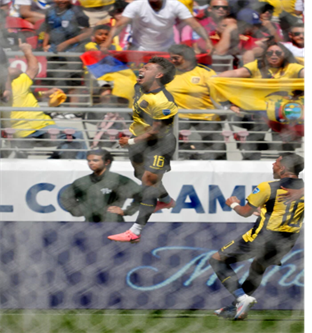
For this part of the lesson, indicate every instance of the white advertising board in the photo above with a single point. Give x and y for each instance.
(30, 188)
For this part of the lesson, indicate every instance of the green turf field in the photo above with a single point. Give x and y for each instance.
(137, 321)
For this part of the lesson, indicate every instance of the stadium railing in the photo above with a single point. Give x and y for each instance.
(231, 132)
(83, 106)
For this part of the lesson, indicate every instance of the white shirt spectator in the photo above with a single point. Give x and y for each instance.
(295, 50)
(36, 5)
(41, 4)
(153, 30)
(299, 5)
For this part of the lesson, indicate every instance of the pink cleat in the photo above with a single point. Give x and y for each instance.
(161, 205)
(127, 236)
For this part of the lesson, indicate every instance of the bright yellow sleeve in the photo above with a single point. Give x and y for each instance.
(91, 46)
(252, 67)
(293, 70)
(260, 195)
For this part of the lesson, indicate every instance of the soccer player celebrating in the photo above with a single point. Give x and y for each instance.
(153, 144)
(273, 235)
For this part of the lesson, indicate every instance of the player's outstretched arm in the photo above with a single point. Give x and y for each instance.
(244, 211)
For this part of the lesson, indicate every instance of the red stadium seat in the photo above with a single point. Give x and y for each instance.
(17, 23)
(38, 24)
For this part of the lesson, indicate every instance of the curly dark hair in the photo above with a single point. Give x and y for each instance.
(288, 59)
(167, 69)
(293, 162)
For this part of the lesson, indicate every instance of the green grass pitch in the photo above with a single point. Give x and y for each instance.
(138, 321)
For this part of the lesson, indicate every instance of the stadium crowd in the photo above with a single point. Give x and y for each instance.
(265, 40)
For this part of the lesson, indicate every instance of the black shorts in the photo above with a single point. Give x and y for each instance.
(154, 155)
(268, 248)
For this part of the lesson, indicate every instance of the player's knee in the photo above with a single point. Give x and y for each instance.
(149, 192)
(214, 260)
(257, 267)
(150, 179)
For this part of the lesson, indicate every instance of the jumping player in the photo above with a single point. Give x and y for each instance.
(153, 144)
(272, 236)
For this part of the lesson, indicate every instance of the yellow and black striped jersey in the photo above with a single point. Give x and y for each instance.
(276, 215)
(155, 105)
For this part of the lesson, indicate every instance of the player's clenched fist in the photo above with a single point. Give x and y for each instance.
(231, 200)
(123, 141)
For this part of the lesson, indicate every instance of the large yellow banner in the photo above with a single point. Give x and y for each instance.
(282, 100)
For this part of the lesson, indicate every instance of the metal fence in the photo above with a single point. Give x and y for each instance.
(231, 137)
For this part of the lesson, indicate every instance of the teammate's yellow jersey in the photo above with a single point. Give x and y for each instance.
(191, 91)
(23, 97)
(290, 71)
(276, 215)
(156, 105)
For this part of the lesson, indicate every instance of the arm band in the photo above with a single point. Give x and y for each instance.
(234, 204)
(131, 142)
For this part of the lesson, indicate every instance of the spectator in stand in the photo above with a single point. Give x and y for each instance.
(212, 15)
(66, 27)
(237, 5)
(191, 91)
(229, 38)
(277, 62)
(226, 39)
(268, 27)
(97, 10)
(23, 97)
(296, 44)
(100, 34)
(30, 10)
(158, 34)
(124, 37)
(249, 22)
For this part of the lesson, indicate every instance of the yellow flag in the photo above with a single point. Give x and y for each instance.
(281, 100)
(124, 82)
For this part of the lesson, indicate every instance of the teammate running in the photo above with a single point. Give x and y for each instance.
(273, 235)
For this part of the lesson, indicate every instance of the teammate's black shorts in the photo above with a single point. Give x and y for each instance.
(154, 154)
(268, 248)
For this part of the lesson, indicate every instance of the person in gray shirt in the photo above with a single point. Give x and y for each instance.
(100, 196)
